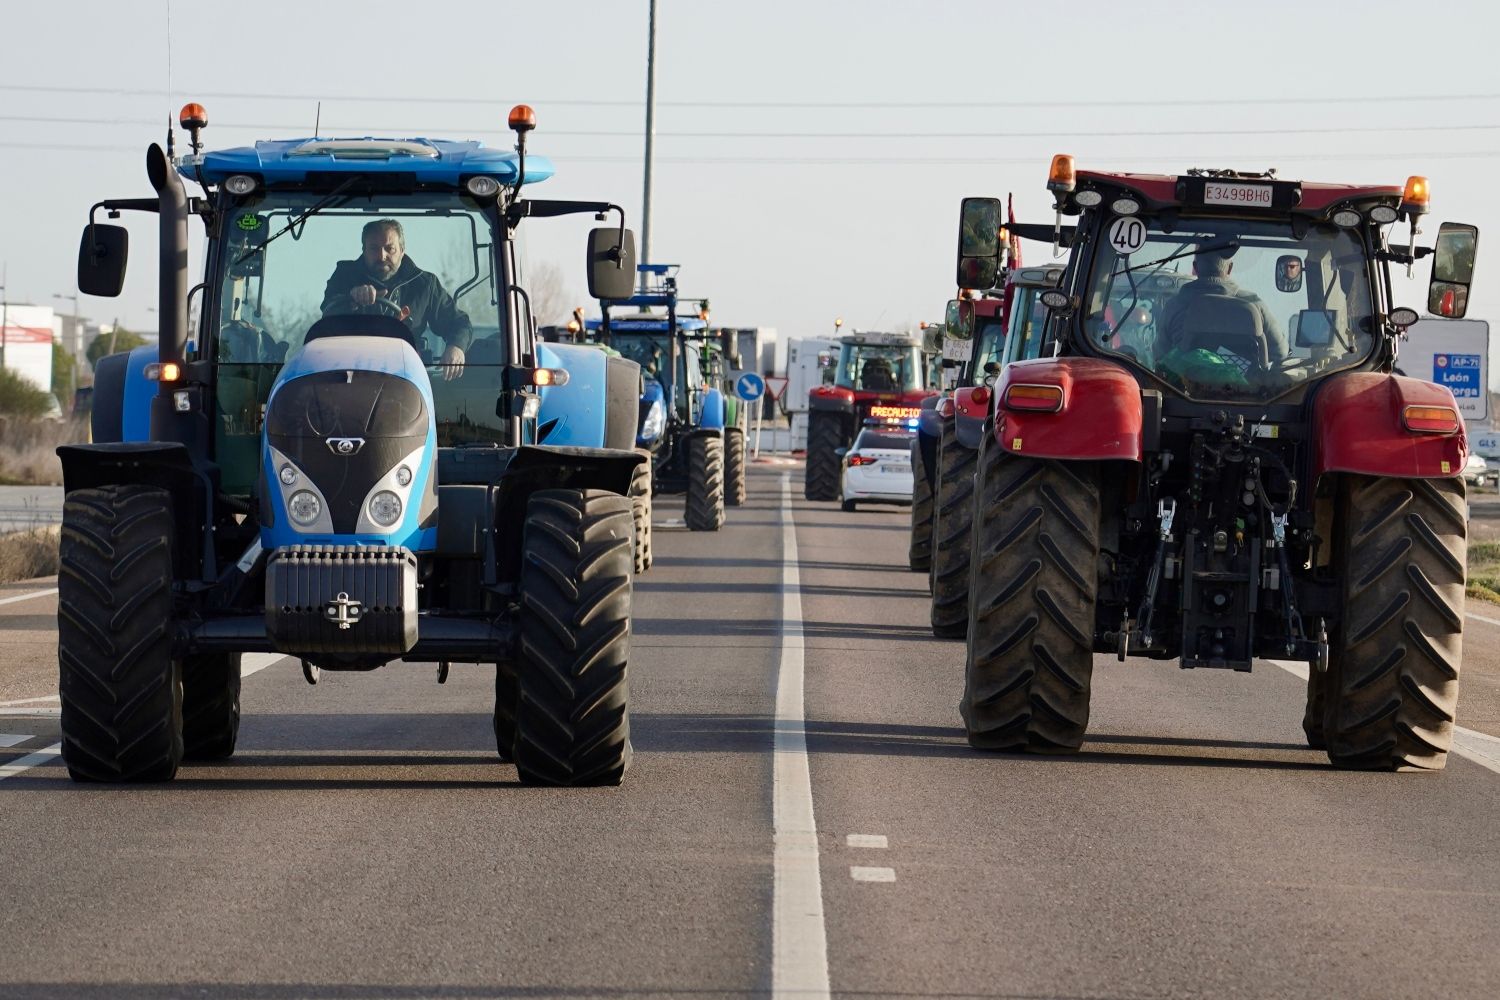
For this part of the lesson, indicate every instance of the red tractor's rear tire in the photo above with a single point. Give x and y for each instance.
(1392, 682)
(825, 435)
(952, 523)
(1032, 588)
(919, 552)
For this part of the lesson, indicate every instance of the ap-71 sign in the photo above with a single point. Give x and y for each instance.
(1453, 353)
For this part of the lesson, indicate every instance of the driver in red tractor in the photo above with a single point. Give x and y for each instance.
(384, 277)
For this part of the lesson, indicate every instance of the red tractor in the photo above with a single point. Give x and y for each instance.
(881, 375)
(1211, 461)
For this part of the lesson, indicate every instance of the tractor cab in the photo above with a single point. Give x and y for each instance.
(877, 362)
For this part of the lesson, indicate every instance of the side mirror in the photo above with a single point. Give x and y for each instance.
(1289, 273)
(611, 266)
(1452, 270)
(958, 321)
(932, 340)
(1315, 327)
(101, 259)
(979, 242)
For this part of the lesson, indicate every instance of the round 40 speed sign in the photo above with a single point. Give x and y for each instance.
(1127, 234)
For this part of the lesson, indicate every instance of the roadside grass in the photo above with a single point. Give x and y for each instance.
(1484, 571)
(28, 449)
(25, 555)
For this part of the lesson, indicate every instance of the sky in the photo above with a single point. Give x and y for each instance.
(810, 156)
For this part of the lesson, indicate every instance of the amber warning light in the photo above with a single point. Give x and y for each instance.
(1415, 196)
(1061, 177)
(522, 118)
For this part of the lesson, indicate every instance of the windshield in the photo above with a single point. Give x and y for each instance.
(991, 336)
(1229, 309)
(873, 368)
(650, 351)
(1028, 317)
(884, 439)
(425, 259)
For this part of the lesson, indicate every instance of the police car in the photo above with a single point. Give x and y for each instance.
(877, 467)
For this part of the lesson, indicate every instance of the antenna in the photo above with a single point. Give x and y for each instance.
(318, 120)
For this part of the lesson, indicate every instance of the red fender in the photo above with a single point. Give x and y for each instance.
(1100, 417)
(1357, 419)
(971, 407)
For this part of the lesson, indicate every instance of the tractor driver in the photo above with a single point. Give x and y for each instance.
(384, 274)
(1188, 308)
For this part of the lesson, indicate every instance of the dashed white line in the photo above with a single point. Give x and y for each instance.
(871, 840)
(1481, 748)
(799, 940)
(26, 763)
(12, 739)
(28, 597)
(28, 701)
(862, 874)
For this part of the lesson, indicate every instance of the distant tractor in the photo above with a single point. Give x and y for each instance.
(1000, 331)
(880, 375)
(684, 414)
(341, 465)
(1210, 461)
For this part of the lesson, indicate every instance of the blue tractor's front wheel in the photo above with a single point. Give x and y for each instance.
(571, 724)
(121, 689)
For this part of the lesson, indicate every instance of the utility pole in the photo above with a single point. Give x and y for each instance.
(646, 257)
(77, 335)
(4, 308)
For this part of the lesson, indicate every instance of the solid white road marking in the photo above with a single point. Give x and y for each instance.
(875, 840)
(1482, 618)
(1469, 744)
(862, 874)
(49, 712)
(11, 739)
(26, 763)
(28, 701)
(254, 663)
(28, 597)
(799, 940)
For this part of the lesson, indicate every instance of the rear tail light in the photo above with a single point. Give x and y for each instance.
(980, 396)
(1043, 398)
(858, 459)
(1430, 419)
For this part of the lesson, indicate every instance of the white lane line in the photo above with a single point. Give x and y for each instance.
(50, 712)
(26, 763)
(1482, 618)
(862, 874)
(799, 940)
(28, 597)
(871, 840)
(1469, 744)
(11, 739)
(254, 663)
(28, 701)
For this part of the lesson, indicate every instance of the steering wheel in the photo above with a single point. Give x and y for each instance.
(386, 307)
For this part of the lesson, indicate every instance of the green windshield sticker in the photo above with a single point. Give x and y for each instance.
(249, 223)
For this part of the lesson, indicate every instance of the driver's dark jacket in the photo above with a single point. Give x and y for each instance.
(430, 304)
(1171, 321)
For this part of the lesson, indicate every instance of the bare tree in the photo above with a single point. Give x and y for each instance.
(551, 299)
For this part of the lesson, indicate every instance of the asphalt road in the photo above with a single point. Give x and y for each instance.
(366, 842)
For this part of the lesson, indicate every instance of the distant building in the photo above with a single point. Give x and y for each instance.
(26, 342)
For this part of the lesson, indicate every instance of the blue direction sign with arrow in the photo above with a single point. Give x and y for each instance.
(749, 386)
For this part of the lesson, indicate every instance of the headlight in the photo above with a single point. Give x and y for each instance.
(483, 187)
(239, 184)
(385, 508)
(403, 476)
(304, 507)
(655, 422)
(288, 475)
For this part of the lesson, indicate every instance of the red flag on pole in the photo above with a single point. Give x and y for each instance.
(1010, 222)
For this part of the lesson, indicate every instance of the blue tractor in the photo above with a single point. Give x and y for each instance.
(343, 463)
(683, 414)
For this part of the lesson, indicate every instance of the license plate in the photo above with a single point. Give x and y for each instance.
(1249, 195)
(904, 469)
(956, 350)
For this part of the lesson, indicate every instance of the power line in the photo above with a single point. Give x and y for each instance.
(776, 105)
(969, 135)
(1103, 159)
